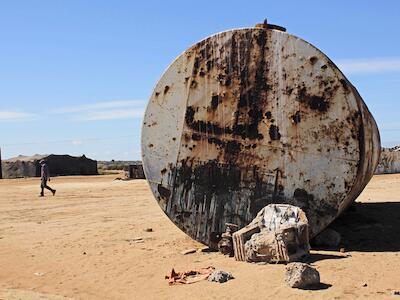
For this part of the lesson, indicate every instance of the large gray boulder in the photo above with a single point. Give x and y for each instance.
(301, 275)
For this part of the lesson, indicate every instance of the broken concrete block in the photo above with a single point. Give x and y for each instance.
(328, 238)
(220, 276)
(301, 275)
(279, 233)
(262, 247)
(275, 216)
(239, 239)
(282, 245)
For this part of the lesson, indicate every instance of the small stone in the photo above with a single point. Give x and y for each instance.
(328, 238)
(135, 240)
(365, 285)
(396, 293)
(84, 253)
(149, 229)
(301, 275)
(188, 251)
(342, 250)
(220, 276)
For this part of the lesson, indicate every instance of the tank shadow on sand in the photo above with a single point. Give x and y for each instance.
(317, 257)
(370, 227)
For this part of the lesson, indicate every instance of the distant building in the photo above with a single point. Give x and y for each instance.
(59, 165)
(390, 161)
(134, 171)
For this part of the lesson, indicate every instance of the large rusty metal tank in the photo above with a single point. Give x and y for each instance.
(254, 116)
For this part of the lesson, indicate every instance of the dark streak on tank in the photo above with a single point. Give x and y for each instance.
(196, 65)
(302, 198)
(313, 59)
(345, 85)
(193, 84)
(274, 132)
(166, 89)
(163, 191)
(312, 101)
(245, 50)
(196, 137)
(232, 147)
(214, 101)
(215, 141)
(296, 117)
(211, 180)
(244, 131)
(289, 91)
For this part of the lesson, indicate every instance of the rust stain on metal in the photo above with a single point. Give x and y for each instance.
(274, 132)
(296, 117)
(166, 89)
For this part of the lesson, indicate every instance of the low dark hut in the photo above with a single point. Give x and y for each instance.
(29, 166)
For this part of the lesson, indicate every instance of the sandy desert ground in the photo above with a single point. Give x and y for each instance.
(81, 244)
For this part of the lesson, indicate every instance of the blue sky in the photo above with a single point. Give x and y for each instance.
(75, 76)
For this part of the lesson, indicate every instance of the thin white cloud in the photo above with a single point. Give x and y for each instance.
(77, 142)
(14, 116)
(368, 66)
(111, 114)
(109, 110)
(100, 106)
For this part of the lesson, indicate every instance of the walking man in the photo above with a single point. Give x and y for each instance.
(45, 175)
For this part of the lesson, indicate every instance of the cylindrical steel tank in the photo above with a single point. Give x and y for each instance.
(254, 116)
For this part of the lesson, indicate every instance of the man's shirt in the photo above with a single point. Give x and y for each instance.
(45, 171)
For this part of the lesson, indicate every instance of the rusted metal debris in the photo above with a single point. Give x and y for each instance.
(189, 277)
(220, 276)
(225, 245)
(250, 117)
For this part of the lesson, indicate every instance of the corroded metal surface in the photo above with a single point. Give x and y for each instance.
(250, 117)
